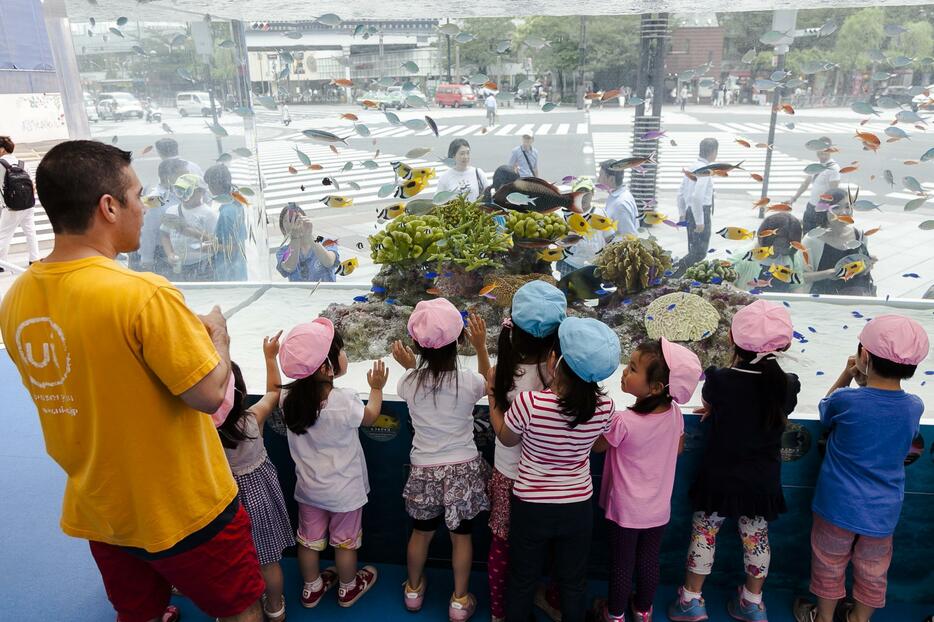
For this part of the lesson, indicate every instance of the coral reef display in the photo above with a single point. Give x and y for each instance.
(632, 264)
(680, 317)
(711, 271)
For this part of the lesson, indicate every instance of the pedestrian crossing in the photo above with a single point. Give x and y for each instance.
(459, 130)
(808, 127)
(787, 172)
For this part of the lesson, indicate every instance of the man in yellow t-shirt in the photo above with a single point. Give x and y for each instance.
(122, 374)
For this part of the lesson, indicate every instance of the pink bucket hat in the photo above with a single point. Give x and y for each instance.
(435, 323)
(896, 338)
(684, 371)
(762, 327)
(306, 348)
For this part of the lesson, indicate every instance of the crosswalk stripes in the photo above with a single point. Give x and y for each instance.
(814, 128)
(507, 129)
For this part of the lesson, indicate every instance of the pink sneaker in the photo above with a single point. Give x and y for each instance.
(414, 598)
(171, 614)
(642, 616)
(311, 598)
(461, 613)
(365, 579)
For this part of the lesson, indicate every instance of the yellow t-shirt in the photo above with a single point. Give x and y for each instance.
(104, 352)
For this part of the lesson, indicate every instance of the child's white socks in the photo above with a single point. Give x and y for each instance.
(749, 597)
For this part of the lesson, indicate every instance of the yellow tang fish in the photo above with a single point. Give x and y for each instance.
(348, 266)
(409, 189)
(578, 224)
(848, 270)
(425, 172)
(385, 421)
(552, 254)
(759, 253)
(653, 217)
(333, 200)
(784, 274)
(391, 211)
(736, 233)
(600, 223)
(402, 170)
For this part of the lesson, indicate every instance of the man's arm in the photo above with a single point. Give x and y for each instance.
(801, 189)
(208, 394)
(697, 202)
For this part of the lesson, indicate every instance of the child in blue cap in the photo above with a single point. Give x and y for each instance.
(525, 341)
(557, 428)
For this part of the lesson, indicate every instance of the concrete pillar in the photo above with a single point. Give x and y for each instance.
(66, 66)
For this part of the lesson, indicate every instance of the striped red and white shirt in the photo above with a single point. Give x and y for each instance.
(555, 462)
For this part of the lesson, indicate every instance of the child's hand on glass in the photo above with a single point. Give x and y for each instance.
(377, 376)
(271, 345)
(476, 331)
(403, 355)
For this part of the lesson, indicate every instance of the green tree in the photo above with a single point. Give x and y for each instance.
(860, 32)
(489, 32)
(917, 43)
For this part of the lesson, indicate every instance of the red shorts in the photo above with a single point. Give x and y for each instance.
(220, 576)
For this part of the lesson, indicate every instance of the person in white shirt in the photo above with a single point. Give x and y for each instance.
(524, 158)
(168, 148)
(11, 219)
(620, 204)
(463, 178)
(695, 204)
(490, 109)
(188, 231)
(822, 183)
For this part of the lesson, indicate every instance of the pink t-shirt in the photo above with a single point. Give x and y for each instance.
(639, 471)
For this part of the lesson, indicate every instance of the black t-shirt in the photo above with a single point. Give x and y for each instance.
(740, 473)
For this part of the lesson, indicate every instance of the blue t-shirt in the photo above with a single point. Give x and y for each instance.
(862, 480)
(230, 260)
(309, 269)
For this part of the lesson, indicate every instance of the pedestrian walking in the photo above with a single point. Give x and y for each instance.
(620, 204)
(490, 104)
(695, 205)
(524, 158)
(821, 183)
(17, 201)
(683, 96)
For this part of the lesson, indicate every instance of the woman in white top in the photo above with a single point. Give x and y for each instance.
(463, 178)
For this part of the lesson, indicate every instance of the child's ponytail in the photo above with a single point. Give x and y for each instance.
(231, 431)
(302, 403)
(514, 345)
(773, 390)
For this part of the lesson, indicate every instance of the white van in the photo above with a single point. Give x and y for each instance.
(196, 103)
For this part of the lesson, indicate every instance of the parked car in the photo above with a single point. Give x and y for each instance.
(922, 101)
(385, 99)
(118, 105)
(91, 109)
(455, 96)
(900, 94)
(196, 103)
(397, 94)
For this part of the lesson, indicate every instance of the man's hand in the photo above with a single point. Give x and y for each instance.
(215, 323)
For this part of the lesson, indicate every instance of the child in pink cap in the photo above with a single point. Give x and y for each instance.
(448, 477)
(323, 432)
(862, 479)
(642, 447)
(748, 405)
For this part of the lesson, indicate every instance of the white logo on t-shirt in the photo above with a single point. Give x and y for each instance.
(41, 346)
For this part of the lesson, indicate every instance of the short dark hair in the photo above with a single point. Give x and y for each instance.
(708, 146)
(218, 179)
(655, 371)
(617, 176)
(167, 148)
(456, 144)
(171, 169)
(837, 197)
(888, 368)
(788, 225)
(7, 144)
(72, 178)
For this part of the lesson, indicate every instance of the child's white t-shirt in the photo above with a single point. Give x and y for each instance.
(329, 462)
(506, 459)
(442, 419)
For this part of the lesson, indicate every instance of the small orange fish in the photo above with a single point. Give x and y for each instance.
(848, 169)
(911, 162)
(832, 150)
(593, 95)
(146, 149)
(342, 82)
(350, 116)
(763, 145)
(756, 176)
(779, 207)
(871, 231)
(487, 289)
(611, 94)
(761, 202)
(239, 197)
(744, 143)
(760, 283)
(369, 103)
(826, 197)
(434, 291)
(689, 174)
(315, 167)
(292, 169)
(804, 250)
(334, 149)
(483, 131)
(844, 218)
(787, 108)
(719, 173)
(490, 85)
(767, 233)
(921, 127)
(868, 138)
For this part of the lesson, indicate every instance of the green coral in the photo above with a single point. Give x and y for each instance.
(408, 238)
(632, 263)
(706, 271)
(536, 226)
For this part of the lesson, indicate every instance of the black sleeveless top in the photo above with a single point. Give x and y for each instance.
(859, 285)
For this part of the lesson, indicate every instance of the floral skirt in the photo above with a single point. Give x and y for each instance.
(456, 491)
(500, 491)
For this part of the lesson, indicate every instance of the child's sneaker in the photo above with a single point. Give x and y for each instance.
(414, 598)
(741, 609)
(461, 612)
(641, 616)
(273, 616)
(692, 611)
(364, 580)
(171, 614)
(611, 618)
(311, 597)
(804, 611)
(548, 602)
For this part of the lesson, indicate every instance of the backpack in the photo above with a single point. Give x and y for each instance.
(18, 191)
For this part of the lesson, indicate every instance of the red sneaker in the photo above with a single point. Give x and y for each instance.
(365, 579)
(311, 598)
(172, 614)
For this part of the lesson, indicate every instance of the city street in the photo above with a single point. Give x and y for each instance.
(571, 142)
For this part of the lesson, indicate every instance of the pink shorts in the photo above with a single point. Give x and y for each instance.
(315, 525)
(832, 548)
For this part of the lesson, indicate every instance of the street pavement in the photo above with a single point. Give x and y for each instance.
(571, 142)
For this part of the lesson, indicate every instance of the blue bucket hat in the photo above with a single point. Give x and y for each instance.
(538, 308)
(589, 348)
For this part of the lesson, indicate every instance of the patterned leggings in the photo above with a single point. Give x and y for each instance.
(754, 533)
(497, 571)
(633, 552)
